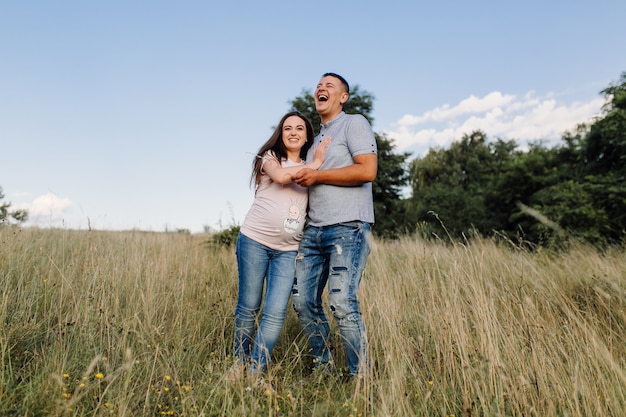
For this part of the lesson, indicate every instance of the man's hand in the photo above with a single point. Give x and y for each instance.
(306, 177)
(363, 170)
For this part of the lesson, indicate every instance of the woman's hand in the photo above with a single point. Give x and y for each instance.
(320, 152)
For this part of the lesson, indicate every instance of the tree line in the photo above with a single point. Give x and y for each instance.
(491, 188)
(479, 187)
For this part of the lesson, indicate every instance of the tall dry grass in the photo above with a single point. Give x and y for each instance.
(140, 324)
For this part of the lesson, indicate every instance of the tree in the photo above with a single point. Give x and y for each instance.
(454, 188)
(516, 185)
(387, 189)
(586, 193)
(6, 216)
(574, 190)
(606, 142)
(605, 156)
(392, 171)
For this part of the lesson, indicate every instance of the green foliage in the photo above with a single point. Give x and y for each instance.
(582, 185)
(226, 237)
(457, 184)
(387, 189)
(570, 205)
(606, 143)
(521, 176)
(7, 215)
(576, 190)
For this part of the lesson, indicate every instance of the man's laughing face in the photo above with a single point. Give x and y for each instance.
(329, 97)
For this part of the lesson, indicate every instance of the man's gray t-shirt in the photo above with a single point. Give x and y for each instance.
(351, 135)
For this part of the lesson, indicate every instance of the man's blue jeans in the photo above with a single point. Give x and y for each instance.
(259, 265)
(333, 255)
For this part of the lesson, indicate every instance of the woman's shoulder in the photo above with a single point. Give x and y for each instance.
(270, 154)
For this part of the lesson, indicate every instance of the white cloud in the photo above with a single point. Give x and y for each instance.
(470, 105)
(48, 209)
(503, 116)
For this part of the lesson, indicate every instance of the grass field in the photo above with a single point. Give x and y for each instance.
(140, 324)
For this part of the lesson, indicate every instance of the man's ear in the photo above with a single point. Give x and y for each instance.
(344, 98)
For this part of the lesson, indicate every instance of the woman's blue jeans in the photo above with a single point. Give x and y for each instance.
(259, 265)
(333, 255)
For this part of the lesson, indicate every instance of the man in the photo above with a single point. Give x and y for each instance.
(335, 244)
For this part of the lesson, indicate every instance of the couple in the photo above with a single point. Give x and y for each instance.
(274, 245)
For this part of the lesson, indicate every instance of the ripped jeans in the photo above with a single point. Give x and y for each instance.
(333, 255)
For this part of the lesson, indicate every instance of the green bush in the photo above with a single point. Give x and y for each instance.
(226, 237)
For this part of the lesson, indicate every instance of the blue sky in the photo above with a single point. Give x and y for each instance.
(121, 115)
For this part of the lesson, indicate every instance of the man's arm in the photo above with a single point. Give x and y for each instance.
(363, 170)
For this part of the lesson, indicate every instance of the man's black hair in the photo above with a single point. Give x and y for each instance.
(340, 78)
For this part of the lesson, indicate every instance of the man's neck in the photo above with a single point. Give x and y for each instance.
(326, 119)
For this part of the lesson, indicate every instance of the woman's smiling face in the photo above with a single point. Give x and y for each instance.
(294, 133)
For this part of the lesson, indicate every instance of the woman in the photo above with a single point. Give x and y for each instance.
(268, 242)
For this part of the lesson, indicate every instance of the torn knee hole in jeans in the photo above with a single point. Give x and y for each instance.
(299, 256)
(337, 271)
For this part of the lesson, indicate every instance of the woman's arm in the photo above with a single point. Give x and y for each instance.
(284, 175)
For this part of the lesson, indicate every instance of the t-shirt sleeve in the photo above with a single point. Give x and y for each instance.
(361, 139)
(268, 156)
